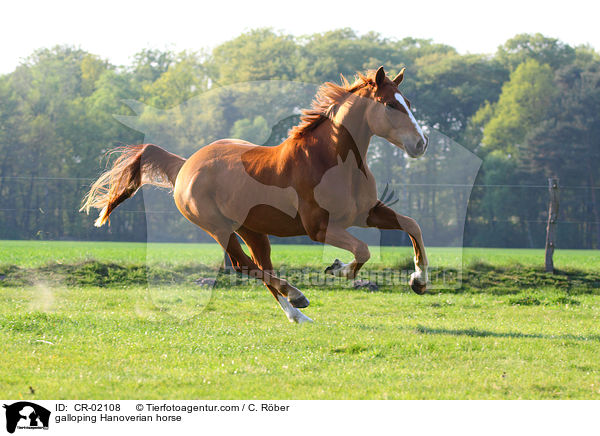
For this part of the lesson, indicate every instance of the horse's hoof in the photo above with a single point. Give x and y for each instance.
(334, 267)
(301, 319)
(300, 302)
(418, 287)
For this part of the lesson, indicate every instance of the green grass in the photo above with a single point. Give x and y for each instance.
(78, 320)
(37, 253)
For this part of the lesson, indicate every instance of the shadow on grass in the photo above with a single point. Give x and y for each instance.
(485, 334)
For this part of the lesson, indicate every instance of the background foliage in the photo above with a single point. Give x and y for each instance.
(530, 111)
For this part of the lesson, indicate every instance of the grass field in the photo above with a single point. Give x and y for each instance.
(80, 321)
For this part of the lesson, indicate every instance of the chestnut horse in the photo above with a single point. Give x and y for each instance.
(314, 183)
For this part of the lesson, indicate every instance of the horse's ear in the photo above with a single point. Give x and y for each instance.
(379, 77)
(400, 77)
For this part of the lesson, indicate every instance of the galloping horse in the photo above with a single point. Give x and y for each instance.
(314, 183)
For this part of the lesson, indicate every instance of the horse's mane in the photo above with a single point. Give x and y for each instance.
(327, 100)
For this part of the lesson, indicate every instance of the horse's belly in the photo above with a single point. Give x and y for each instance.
(237, 193)
(272, 221)
(214, 183)
(237, 205)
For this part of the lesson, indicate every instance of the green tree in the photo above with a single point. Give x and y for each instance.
(450, 88)
(530, 111)
(522, 105)
(256, 131)
(566, 145)
(545, 50)
(183, 79)
(258, 54)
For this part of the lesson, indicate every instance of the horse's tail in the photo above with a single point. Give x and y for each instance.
(137, 165)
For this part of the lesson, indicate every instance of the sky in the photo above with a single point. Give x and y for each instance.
(117, 29)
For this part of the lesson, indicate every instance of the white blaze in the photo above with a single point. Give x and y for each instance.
(410, 115)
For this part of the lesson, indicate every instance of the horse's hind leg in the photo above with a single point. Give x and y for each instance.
(242, 263)
(222, 230)
(260, 250)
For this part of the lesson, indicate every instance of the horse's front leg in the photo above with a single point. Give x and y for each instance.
(260, 250)
(341, 238)
(316, 223)
(382, 217)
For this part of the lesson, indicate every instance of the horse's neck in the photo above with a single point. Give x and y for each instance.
(351, 133)
(346, 134)
(346, 144)
(332, 140)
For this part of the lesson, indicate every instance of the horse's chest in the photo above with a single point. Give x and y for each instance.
(346, 197)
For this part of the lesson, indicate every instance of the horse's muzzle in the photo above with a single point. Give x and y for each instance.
(420, 147)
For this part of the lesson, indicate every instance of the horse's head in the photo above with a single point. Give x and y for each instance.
(390, 116)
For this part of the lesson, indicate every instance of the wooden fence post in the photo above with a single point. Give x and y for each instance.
(552, 217)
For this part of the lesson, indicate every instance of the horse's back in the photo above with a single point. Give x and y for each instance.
(223, 148)
(218, 154)
(216, 176)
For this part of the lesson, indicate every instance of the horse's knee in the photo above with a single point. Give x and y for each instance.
(411, 226)
(317, 233)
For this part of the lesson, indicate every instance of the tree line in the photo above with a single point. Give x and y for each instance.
(528, 111)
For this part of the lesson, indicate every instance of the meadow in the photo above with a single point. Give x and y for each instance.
(83, 320)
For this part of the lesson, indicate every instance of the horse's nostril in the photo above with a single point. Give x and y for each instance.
(420, 145)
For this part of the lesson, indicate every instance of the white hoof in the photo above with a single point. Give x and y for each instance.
(293, 314)
(301, 318)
